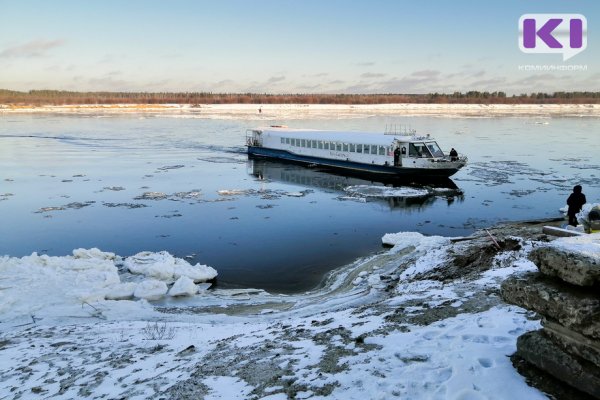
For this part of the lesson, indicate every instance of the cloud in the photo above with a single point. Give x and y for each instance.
(365, 64)
(369, 75)
(488, 83)
(360, 88)
(108, 83)
(275, 79)
(35, 48)
(426, 73)
(261, 87)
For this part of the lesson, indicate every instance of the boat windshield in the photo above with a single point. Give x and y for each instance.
(419, 150)
(434, 149)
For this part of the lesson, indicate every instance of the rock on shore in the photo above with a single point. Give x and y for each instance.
(564, 292)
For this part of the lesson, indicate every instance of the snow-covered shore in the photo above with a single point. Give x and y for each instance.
(299, 111)
(420, 320)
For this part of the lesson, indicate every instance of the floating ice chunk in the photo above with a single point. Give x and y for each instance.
(402, 239)
(384, 191)
(163, 266)
(197, 273)
(184, 286)
(156, 265)
(151, 196)
(121, 291)
(352, 198)
(150, 289)
(93, 253)
(231, 192)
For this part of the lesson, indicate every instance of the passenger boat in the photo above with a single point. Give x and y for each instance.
(391, 153)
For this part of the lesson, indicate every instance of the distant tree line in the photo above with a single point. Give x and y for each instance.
(61, 97)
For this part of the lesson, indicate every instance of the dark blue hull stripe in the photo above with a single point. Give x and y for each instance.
(349, 165)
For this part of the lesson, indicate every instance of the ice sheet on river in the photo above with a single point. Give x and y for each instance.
(383, 192)
(77, 285)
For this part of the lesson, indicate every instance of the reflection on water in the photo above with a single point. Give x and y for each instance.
(394, 192)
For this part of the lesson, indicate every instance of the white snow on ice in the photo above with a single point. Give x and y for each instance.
(584, 244)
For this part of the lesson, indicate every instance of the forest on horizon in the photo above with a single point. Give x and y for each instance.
(61, 97)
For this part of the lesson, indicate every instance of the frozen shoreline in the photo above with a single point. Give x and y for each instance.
(421, 320)
(299, 111)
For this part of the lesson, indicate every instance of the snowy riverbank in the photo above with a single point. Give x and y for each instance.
(269, 112)
(420, 320)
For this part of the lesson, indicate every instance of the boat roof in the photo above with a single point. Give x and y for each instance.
(378, 138)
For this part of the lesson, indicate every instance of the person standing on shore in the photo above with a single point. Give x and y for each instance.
(575, 201)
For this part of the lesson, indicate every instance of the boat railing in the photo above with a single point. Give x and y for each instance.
(252, 139)
(399, 130)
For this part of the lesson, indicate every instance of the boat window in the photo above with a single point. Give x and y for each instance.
(366, 148)
(352, 147)
(381, 151)
(332, 145)
(413, 151)
(418, 150)
(282, 141)
(302, 142)
(321, 144)
(338, 146)
(373, 149)
(435, 149)
(359, 148)
(313, 144)
(326, 145)
(287, 140)
(293, 142)
(345, 147)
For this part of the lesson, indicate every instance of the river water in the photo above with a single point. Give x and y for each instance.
(135, 183)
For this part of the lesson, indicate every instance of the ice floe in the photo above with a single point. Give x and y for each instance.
(48, 285)
(385, 191)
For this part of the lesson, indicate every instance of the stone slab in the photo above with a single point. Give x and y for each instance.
(536, 348)
(573, 342)
(576, 308)
(571, 266)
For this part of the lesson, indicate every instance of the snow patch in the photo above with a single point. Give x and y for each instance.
(588, 245)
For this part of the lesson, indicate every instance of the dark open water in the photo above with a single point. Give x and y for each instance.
(128, 183)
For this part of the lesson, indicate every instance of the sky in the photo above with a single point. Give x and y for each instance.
(285, 46)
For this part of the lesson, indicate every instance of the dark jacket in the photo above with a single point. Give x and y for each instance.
(575, 201)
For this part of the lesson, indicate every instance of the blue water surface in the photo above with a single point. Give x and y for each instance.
(130, 183)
